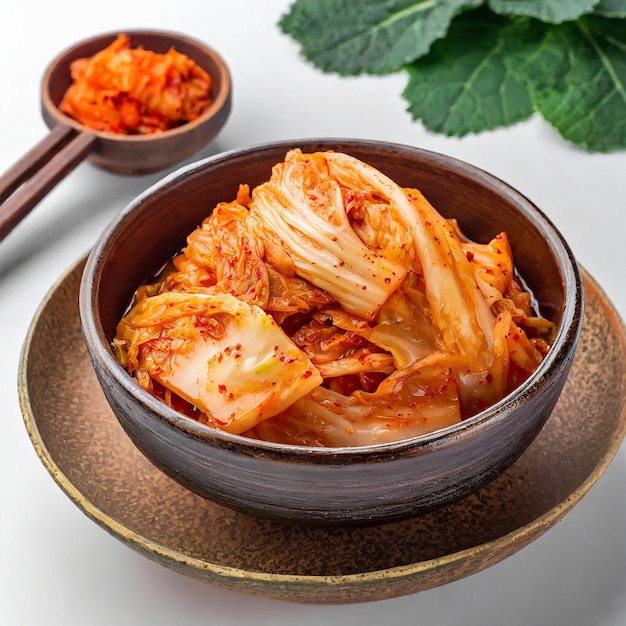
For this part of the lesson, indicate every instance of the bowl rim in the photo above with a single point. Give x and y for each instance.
(220, 100)
(563, 345)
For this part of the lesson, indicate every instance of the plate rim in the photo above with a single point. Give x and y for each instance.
(516, 539)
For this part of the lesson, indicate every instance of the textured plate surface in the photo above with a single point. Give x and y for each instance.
(93, 461)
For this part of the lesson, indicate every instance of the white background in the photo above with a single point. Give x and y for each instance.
(56, 566)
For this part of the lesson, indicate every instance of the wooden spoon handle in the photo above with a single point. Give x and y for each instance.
(24, 185)
(37, 156)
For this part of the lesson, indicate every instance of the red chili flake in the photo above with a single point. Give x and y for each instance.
(222, 388)
(387, 279)
(307, 374)
(470, 255)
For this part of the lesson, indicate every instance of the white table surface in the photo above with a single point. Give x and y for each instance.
(58, 567)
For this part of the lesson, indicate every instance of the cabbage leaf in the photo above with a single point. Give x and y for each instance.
(302, 208)
(357, 36)
(479, 65)
(227, 358)
(556, 11)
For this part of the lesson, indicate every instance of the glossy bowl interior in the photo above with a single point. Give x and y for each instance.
(141, 154)
(346, 485)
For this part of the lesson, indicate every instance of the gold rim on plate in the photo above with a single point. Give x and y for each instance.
(89, 456)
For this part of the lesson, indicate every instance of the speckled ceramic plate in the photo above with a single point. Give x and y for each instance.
(90, 457)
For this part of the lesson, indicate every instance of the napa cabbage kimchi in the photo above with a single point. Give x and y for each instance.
(328, 306)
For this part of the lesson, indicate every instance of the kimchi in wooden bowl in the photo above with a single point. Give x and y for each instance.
(146, 146)
(344, 480)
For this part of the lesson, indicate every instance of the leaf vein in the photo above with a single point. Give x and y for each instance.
(399, 15)
(374, 30)
(608, 66)
(466, 86)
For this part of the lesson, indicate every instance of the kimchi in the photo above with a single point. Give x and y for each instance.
(329, 306)
(136, 91)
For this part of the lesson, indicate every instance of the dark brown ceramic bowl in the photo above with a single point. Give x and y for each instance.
(346, 485)
(141, 154)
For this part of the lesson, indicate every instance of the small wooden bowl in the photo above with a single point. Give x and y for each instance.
(141, 154)
(69, 143)
(377, 483)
